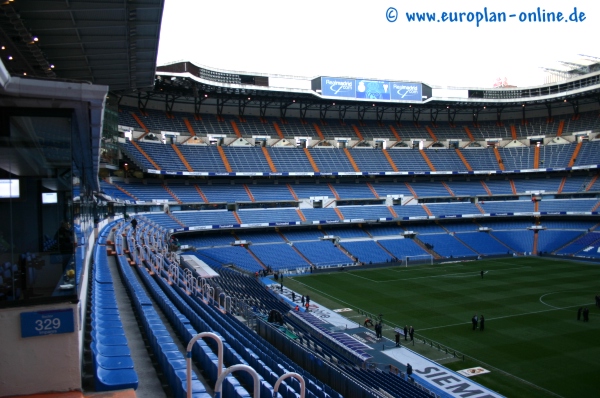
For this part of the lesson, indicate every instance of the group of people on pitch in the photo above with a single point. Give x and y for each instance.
(586, 314)
(478, 322)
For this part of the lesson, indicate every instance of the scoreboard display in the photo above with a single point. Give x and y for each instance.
(374, 90)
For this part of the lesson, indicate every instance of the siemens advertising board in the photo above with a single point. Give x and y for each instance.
(376, 90)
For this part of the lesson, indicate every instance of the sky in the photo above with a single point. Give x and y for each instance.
(375, 39)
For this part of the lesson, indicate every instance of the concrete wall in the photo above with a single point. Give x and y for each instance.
(38, 364)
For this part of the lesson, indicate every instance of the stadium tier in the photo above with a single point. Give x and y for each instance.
(249, 126)
(294, 190)
(192, 158)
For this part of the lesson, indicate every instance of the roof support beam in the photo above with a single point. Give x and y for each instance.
(416, 114)
(380, 110)
(283, 107)
(143, 102)
(342, 112)
(263, 106)
(361, 112)
(169, 102)
(499, 116)
(242, 106)
(220, 103)
(433, 115)
(398, 114)
(575, 105)
(303, 109)
(475, 117)
(323, 111)
(451, 115)
(549, 107)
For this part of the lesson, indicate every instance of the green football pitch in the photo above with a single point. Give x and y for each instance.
(533, 343)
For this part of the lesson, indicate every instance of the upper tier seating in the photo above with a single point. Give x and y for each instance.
(567, 205)
(481, 158)
(402, 248)
(326, 214)
(383, 230)
(364, 212)
(447, 245)
(408, 160)
(233, 255)
(549, 241)
(345, 233)
(590, 240)
(445, 159)
(537, 184)
(207, 241)
(225, 192)
(518, 206)
(330, 159)
(267, 191)
(202, 158)
(322, 253)
(482, 243)
(289, 159)
(207, 217)
(589, 153)
(249, 126)
(367, 251)
(246, 158)
(368, 160)
(268, 215)
(429, 188)
(279, 256)
(162, 219)
(184, 192)
(518, 241)
(466, 188)
(453, 209)
(299, 236)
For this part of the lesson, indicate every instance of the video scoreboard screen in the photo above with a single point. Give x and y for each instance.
(376, 90)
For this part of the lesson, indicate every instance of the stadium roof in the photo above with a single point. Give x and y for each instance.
(108, 42)
(187, 83)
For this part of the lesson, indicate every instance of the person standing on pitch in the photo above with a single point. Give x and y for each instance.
(579, 313)
(481, 323)
(412, 333)
(405, 332)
